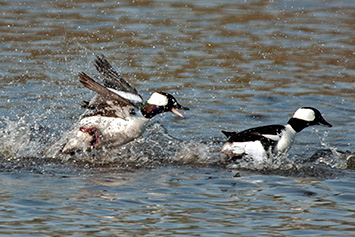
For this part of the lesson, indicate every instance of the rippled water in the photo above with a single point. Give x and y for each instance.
(236, 64)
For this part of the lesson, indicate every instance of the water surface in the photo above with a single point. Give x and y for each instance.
(236, 64)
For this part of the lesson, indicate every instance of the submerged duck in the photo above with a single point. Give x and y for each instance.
(257, 143)
(117, 114)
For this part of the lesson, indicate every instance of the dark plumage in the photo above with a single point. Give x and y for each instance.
(258, 142)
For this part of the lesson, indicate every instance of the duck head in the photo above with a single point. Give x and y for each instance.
(160, 102)
(305, 117)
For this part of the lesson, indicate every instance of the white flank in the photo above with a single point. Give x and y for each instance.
(128, 96)
(250, 149)
(79, 141)
(113, 131)
(158, 99)
(304, 114)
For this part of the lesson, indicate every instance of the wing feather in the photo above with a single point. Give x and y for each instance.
(112, 78)
(103, 92)
(268, 132)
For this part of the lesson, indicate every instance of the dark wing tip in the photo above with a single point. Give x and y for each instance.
(112, 78)
(84, 104)
(85, 79)
(102, 64)
(228, 134)
(89, 83)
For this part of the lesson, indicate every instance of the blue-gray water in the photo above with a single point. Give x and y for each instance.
(236, 64)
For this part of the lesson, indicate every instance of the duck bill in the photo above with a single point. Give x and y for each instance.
(175, 111)
(324, 123)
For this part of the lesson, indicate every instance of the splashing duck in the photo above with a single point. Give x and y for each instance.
(116, 115)
(257, 143)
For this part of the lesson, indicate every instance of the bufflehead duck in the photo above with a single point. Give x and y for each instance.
(116, 115)
(257, 143)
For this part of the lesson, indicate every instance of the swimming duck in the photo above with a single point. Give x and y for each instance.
(116, 115)
(257, 143)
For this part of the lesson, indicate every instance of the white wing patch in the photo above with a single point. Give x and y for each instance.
(304, 114)
(272, 137)
(158, 99)
(128, 96)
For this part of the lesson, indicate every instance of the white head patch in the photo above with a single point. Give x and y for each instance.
(158, 99)
(304, 114)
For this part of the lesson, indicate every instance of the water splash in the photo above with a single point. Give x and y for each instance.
(21, 140)
(274, 162)
(328, 155)
(14, 139)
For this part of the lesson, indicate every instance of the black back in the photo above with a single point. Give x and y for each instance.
(254, 134)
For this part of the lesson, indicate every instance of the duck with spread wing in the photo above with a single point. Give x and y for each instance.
(117, 113)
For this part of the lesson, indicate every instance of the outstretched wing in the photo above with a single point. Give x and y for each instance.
(107, 102)
(114, 80)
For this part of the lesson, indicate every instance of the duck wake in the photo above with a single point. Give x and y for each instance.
(20, 140)
(34, 147)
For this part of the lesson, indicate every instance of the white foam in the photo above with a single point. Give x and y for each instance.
(158, 99)
(305, 114)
